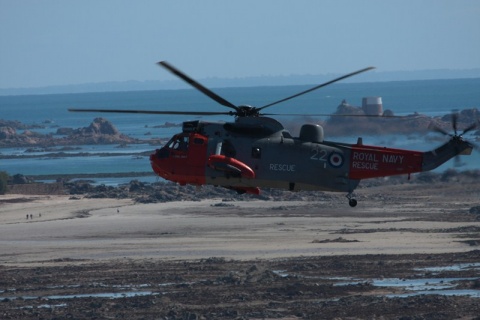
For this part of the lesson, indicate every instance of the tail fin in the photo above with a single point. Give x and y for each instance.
(454, 147)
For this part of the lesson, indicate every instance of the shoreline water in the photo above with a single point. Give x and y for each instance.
(107, 161)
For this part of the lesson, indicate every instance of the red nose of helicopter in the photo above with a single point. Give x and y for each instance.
(182, 159)
(158, 163)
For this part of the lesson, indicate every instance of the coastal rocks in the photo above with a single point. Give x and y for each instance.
(88, 190)
(10, 138)
(65, 131)
(17, 125)
(7, 133)
(20, 179)
(99, 126)
(100, 131)
(162, 191)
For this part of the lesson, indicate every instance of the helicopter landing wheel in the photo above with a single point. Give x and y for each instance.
(351, 201)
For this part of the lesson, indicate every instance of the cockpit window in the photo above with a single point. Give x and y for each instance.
(179, 143)
(287, 135)
(256, 153)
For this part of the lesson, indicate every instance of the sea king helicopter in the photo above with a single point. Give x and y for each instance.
(255, 151)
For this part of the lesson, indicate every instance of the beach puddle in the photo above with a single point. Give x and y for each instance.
(430, 286)
(460, 292)
(456, 267)
(124, 291)
(445, 286)
(107, 295)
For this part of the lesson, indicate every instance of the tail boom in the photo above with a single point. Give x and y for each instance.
(373, 162)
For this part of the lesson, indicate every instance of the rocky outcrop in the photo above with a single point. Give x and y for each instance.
(9, 137)
(99, 126)
(100, 131)
(7, 133)
(65, 131)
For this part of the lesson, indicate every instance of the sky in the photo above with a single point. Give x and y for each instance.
(62, 42)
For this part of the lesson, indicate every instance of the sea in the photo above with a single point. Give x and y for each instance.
(429, 97)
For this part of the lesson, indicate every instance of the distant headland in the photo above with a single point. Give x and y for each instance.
(259, 81)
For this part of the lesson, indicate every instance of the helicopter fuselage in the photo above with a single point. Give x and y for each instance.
(257, 152)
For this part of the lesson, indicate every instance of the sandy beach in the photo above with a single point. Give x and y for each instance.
(102, 229)
(224, 259)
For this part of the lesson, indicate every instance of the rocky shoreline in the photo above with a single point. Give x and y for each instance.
(100, 131)
(82, 186)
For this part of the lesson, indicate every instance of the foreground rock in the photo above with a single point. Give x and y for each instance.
(342, 287)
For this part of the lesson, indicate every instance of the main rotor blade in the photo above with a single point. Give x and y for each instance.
(197, 85)
(469, 128)
(336, 115)
(454, 122)
(317, 87)
(188, 113)
(436, 128)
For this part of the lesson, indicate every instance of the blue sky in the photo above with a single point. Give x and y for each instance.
(65, 42)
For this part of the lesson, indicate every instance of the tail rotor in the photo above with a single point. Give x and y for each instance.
(456, 138)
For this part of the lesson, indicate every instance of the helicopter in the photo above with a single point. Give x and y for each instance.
(255, 151)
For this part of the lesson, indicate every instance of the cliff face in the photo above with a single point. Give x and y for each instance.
(100, 131)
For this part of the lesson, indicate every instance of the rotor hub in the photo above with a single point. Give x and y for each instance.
(247, 111)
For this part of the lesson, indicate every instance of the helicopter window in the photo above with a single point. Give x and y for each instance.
(256, 153)
(170, 143)
(228, 149)
(179, 143)
(287, 135)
